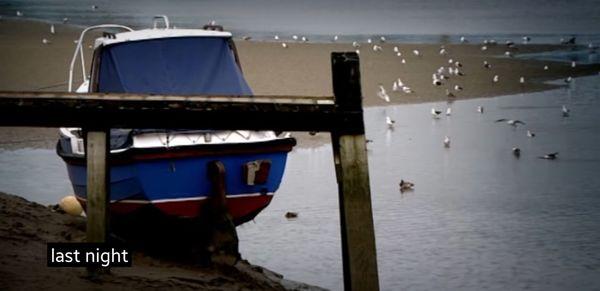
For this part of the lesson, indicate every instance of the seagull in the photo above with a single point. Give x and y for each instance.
(436, 81)
(355, 44)
(52, 29)
(550, 156)
(19, 13)
(546, 68)
(369, 40)
(377, 48)
(395, 87)
(383, 94)
(304, 39)
(484, 48)
(516, 151)
(458, 64)
(357, 52)
(294, 37)
(450, 61)
(522, 80)
(487, 65)
(457, 88)
(511, 121)
(458, 73)
(335, 38)
(406, 185)
(382, 39)
(246, 37)
(45, 41)
(291, 215)
(276, 37)
(443, 51)
(573, 64)
(396, 50)
(510, 44)
(400, 83)
(463, 39)
(65, 20)
(406, 89)
(449, 94)
(94, 7)
(569, 80)
(417, 53)
(496, 79)
(480, 109)
(447, 142)
(526, 39)
(284, 45)
(530, 133)
(565, 111)
(448, 111)
(390, 122)
(435, 113)
(403, 61)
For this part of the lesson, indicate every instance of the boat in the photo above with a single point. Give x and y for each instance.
(166, 170)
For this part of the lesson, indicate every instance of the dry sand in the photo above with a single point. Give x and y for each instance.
(301, 69)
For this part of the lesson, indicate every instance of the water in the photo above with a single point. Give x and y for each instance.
(400, 21)
(478, 219)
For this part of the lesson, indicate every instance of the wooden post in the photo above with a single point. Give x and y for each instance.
(350, 157)
(97, 144)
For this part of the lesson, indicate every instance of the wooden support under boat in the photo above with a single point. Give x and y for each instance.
(342, 116)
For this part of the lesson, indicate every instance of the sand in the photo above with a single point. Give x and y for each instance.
(301, 69)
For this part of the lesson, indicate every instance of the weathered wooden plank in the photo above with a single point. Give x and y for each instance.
(125, 113)
(350, 157)
(97, 189)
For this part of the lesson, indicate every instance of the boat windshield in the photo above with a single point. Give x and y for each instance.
(176, 66)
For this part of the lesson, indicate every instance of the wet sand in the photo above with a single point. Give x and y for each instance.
(301, 69)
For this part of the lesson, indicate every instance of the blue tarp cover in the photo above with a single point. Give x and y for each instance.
(178, 66)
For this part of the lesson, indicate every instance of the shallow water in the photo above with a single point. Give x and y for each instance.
(402, 21)
(478, 219)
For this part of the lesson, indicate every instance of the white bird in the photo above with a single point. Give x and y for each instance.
(565, 111)
(284, 45)
(449, 94)
(355, 44)
(569, 80)
(94, 7)
(526, 39)
(400, 83)
(451, 71)
(480, 109)
(403, 61)
(443, 51)
(389, 122)
(417, 53)
(65, 20)
(458, 64)
(335, 38)
(294, 37)
(530, 133)
(450, 61)
(304, 39)
(357, 52)
(546, 68)
(551, 156)
(522, 80)
(19, 13)
(508, 54)
(463, 39)
(487, 65)
(398, 54)
(383, 94)
(448, 111)
(457, 88)
(369, 40)
(395, 87)
(484, 48)
(276, 37)
(52, 29)
(447, 141)
(496, 79)
(382, 39)
(377, 48)
(396, 50)
(407, 89)
(435, 113)
(45, 41)
(436, 81)
(511, 122)
(573, 64)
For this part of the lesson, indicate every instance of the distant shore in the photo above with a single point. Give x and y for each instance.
(300, 69)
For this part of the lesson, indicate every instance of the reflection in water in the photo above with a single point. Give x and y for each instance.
(478, 218)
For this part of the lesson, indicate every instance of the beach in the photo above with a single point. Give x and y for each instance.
(270, 69)
(300, 69)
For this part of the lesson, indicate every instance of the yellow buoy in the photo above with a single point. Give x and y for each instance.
(70, 205)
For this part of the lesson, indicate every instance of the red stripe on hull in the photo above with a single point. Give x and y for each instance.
(241, 208)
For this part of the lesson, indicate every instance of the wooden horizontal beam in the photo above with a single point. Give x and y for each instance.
(289, 113)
